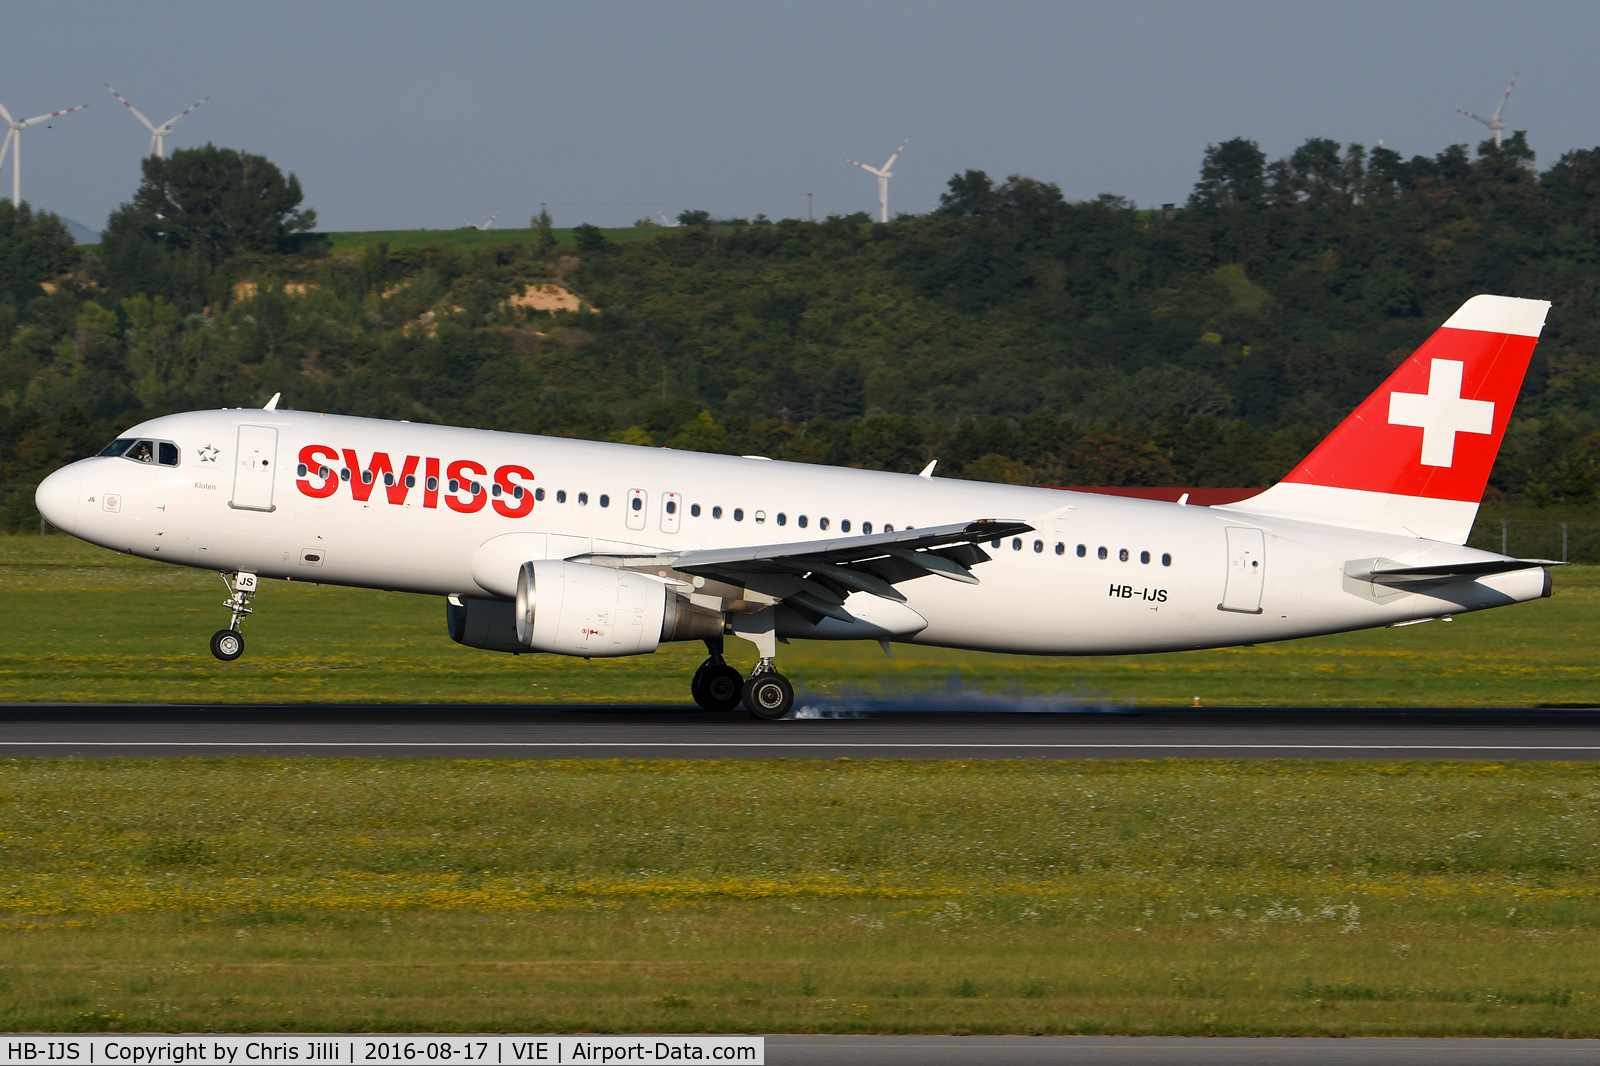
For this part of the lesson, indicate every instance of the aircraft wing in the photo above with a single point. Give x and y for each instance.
(815, 577)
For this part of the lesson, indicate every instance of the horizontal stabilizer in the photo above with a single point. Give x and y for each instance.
(1388, 572)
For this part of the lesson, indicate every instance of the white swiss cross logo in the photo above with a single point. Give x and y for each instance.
(1441, 413)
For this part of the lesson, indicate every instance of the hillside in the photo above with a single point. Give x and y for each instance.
(1012, 334)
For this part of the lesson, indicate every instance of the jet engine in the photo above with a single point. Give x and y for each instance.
(599, 611)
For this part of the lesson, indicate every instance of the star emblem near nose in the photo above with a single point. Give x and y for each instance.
(208, 454)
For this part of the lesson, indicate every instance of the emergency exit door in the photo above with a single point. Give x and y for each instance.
(1247, 569)
(254, 467)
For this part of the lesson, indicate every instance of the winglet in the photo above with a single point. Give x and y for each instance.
(272, 404)
(927, 471)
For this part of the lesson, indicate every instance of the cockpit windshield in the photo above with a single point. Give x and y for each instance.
(142, 452)
(117, 447)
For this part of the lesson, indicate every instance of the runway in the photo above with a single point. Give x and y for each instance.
(659, 732)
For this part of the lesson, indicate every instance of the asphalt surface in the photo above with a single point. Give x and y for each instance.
(677, 732)
(1165, 1051)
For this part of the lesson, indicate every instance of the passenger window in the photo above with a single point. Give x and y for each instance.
(738, 514)
(605, 501)
(802, 521)
(783, 519)
(1038, 546)
(561, 495)
(1061, 549)
(1144, 557)
(637, 503)
(1166, 559)
(366, 477)
(538, 494)
(822, 523)
(344, 474)
(517, 492)
(169, 453)
(694, 510)
(1123, 555)
(455, 486)
(388, 479)
(142, 452)
(888, 527)
(583, 499)
(323, 471)
(672, 507)
(759, 516)
(844, 525)
(1100, 552)
(411, 482)
(433, 484)
(866, 527)
(1082, 551)
(716, 512)
(477, 489)
(300, 471)
(494, 490)
(1016, 544)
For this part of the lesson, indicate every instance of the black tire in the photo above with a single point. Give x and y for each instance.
(768, 696)
(227, 644)
(717, 687)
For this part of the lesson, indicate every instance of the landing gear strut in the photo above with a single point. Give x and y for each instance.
(228, 644)
(716, 685)
(767, 694)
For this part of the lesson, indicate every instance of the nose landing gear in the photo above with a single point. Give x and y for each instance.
(228, 644)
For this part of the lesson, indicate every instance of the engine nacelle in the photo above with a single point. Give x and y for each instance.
(599, 611)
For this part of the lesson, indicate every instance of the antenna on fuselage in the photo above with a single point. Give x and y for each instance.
(272, 404)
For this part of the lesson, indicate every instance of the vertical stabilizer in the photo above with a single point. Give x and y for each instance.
(1415, 456)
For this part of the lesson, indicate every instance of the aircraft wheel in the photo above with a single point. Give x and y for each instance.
(768, 696)
(227, 644)
(717, 686)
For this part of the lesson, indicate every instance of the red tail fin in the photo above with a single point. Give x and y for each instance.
(1416, 454)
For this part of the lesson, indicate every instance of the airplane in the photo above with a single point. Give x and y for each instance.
(582, 548)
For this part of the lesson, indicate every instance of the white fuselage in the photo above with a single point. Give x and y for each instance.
(222, 510)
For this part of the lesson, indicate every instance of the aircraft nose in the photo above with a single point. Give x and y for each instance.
(57, 498)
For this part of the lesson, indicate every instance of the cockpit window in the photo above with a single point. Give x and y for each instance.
(168, 453)
(117, 447)
(142, 452)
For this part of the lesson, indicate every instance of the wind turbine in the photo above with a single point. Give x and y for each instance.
(1496, 127)
(486, 225)
(158, 134)
(665, 221)
(13, 144)
(884, 174)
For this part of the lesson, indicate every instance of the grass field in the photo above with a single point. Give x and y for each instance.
(879, 896)
(1207, 897)
(83, 624)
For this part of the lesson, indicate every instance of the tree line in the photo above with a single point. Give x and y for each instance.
(1012, 334)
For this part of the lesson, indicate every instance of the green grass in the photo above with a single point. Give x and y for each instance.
(83, 624)
(1194, 896)
(351, 243)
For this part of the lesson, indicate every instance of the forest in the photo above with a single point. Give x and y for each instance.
(1012, 334)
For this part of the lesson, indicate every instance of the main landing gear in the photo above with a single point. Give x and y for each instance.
(768, 694)
(228, 644)
(716, 685)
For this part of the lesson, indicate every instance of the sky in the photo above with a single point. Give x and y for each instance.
(400, 115)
